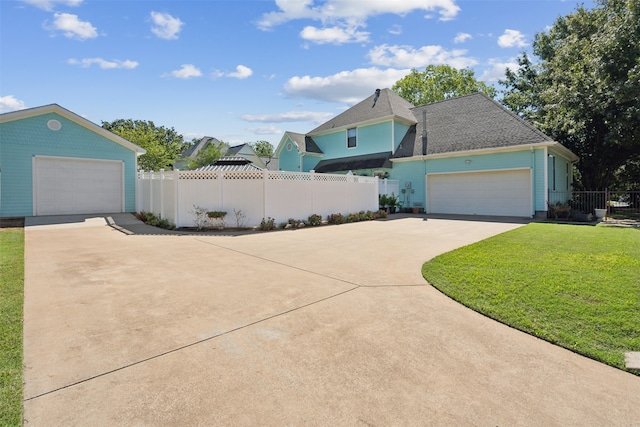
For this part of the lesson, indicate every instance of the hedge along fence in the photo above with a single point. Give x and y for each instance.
(174, 195)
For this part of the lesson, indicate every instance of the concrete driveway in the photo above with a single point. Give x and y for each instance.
(333, 326)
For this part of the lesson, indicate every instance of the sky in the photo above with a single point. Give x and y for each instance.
(246, 70)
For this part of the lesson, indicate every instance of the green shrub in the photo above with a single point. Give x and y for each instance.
(314, 220)
(336, 218)
(267, 224)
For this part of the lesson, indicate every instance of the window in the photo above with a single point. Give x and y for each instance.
(351, 138)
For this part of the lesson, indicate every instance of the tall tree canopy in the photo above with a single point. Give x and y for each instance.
(439, 82)
(585, 90)
(262, 148)
(163, 145)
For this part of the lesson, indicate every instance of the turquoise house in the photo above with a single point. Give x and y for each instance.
(55, 162)
(466, 155)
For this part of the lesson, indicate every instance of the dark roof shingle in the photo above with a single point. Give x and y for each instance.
(470, 122)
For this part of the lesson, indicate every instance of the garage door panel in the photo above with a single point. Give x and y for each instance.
(501, 193)
(77, 186)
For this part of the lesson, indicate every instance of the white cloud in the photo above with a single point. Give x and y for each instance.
(165, 26)
(241, 72)
(346, 86)
(265, 130)
(72, 27)
(291, 116)
(103, 63)
(352, 10)
(49, 4)
(409, 57)
(10, 103)
(462, 37)
(497, 70)
(187, 71)
(396, 30)
(512, 38)
(334, 35)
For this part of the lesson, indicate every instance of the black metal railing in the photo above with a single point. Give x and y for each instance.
(580, 205)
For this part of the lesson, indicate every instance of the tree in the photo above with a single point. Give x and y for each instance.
(262, 148)
(585, 90)
(211, 152)
(163, 146)
(439, 82)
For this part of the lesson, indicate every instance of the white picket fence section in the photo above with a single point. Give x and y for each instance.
(174, 195)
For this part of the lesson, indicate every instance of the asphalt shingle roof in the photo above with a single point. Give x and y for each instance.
(306, 143)
(470, 122)
(388, 104)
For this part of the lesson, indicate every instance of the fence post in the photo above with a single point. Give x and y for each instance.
(221, 192)
(151, 192)
(162, 193)
(265, 178)
(138, 195)
(176, 209)
(313, 191)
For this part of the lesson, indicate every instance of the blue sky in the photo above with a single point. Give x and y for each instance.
(244, 70)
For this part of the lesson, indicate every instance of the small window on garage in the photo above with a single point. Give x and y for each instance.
(351, 138)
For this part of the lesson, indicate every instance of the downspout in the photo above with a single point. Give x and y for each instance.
(424, 153)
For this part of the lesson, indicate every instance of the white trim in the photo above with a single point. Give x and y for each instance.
(370, 122)
(482, 151)
(546, 178)
(465, 172)
(55, 108)
(34, 176)
(479, 170)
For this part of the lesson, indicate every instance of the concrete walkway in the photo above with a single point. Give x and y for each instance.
(125, 325)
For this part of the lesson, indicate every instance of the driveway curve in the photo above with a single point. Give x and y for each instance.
(127, 325)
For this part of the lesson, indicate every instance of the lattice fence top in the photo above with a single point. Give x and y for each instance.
(257, 175)
(198, 175)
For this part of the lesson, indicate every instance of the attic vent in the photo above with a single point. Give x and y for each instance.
(54, 125)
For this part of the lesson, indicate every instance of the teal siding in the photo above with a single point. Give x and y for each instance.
(22, 139)
(539, 188)
(289, 160)
(310, 162)
(415, 171)
(375, 138)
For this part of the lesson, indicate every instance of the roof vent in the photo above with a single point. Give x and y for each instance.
(375, 98)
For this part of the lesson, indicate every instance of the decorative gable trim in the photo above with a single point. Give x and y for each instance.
(63, 112)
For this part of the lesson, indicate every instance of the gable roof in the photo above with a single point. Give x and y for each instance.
(193, 151)
(305, 143)
(387, 105)
(67, 114)
(470, 122)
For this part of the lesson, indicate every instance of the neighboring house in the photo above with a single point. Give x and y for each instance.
(193, 151)
(242, 150)
(231, 164)
(473, 156)
(54, 162)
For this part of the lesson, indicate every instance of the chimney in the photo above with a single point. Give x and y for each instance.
(424, 131)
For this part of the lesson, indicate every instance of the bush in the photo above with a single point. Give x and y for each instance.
(337, 218)
(267, 224)
(151, 219)
(314, 220)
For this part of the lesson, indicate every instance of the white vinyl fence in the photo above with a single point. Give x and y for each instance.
(389, 187)
(174, 195)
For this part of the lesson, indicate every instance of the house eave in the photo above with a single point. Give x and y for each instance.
(363, 123)
(556, 146)
(55, 108)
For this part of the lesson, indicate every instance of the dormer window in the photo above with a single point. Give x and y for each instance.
(351, 138)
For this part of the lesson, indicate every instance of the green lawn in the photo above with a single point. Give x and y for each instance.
(11, 297)
(575, 286)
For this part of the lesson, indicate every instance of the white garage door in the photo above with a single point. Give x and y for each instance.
(77, 186)
(503, 193)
